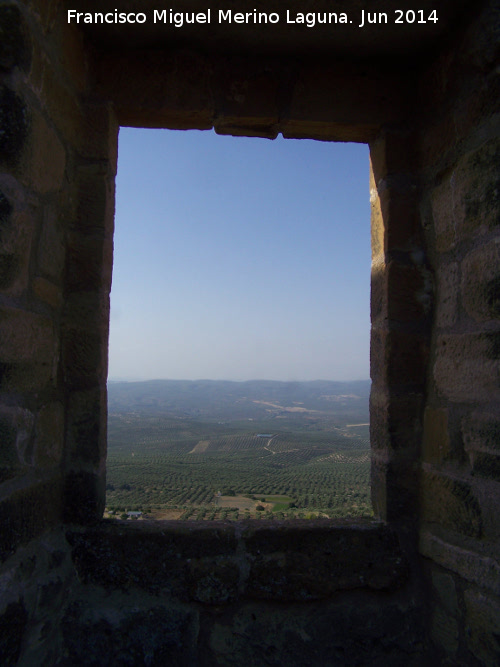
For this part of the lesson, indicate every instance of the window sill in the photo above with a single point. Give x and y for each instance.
(220, 562)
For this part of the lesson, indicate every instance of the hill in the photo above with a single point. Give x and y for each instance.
(255, 399)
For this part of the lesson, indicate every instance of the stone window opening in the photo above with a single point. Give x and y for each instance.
(351, 155)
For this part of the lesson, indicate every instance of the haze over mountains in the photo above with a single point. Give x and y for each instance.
(254, 399)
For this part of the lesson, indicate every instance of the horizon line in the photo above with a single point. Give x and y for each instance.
(125, 379)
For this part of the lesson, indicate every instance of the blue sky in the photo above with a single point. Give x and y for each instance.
(239, 258)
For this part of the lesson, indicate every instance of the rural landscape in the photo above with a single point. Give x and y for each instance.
(204, 450)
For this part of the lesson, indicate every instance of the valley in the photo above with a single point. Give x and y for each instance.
(227, 450)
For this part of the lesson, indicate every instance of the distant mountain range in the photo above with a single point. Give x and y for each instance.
(254, 399)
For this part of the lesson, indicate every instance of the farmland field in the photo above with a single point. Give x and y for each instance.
(277, 463)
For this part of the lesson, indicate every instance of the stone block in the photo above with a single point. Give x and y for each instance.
(17, 241)
(85, 357)
(481, 436)
(86, 427)
(467, 201)
(401, 291)
(26, 336)
(444, 630)
(450, 503)
(49, 436)
(71, 52)
(436, 447)
(101, 135)
(437, 137)
(156, 557)
(44, 174)
(87, 310)
(14, 39)
(213, 581)
(312, 562)
(471, 111)
(442, 206)
(392, 152)
(217, 563)
(13, 624)
(123, 633)
(447, 294)
(249, 101)
(29, 352)
(29, 512)
(486, 464)
(47, 14)
(409, 292)
(395, 422)
(14, 121)
(89, 262)
(84, 496)
(480, 569)
(483, 626)
(9, 269)
(181, 98)
(358, 111)
(6, 209)
(17, 227)
(481, 432)
(394, 486)
(47, 292)
(481, 42)
(51, 249)
(95, 203)
(353, 631)
(445, 589)
(16, 441)
(9, 460)
(467, 366)
(400, 213)
(63, 106)
(398, 357)
(481, 281)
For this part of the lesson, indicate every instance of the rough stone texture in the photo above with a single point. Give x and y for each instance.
(14, 42)
(450, 503)
(14, 122)
(481, 281)
(28, 357)
(436, 440)
(467, 202)
(466, 560)
(467, 366)
(483, 622)
(49, 435)
(51, 248)
(343, 633)
(448, 291)
(12, 629)
(16, 429)
(28, 512)
(313, 564)
(218, 564)
(104, 633)
(45, 175)
(16, 234)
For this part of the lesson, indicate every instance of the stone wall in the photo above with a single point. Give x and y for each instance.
(211, 594)
(419, 585)
(459, 154)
